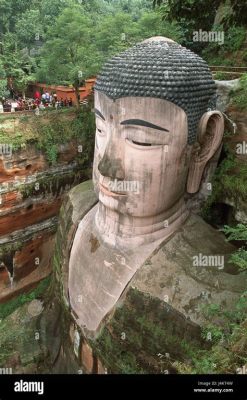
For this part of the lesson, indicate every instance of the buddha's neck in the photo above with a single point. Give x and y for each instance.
(126, 231)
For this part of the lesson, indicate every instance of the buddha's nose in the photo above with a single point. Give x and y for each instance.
(111, 167)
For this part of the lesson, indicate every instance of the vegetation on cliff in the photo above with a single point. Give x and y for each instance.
(160, 344)
(50, 130)
(38, 293)
(226, 330)
(239, 97)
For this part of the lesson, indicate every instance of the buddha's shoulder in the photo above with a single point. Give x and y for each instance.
(196, 236)
(195, 257)
(80, 200)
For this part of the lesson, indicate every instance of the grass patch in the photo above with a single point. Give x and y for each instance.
(239, 97)
(226, 331)
(9, 307)
(221, 76)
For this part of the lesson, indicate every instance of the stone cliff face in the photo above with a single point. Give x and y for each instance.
(238, 146)
(31, 194)
(230, 184)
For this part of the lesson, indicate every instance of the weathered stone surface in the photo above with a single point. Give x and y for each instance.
(31, 194)
(239, 207)
(24, 285)
(223, 93)
(19, 332)
(161, 310)
(75, 206)
(28, 263)
(170, 274)
(237, 145)
(28, 215)
(240, 119)
(30, 338)
(157, 320)
(87, 359)
(50, 326)
(22, 163)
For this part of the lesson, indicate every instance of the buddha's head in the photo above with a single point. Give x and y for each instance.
(155, 130)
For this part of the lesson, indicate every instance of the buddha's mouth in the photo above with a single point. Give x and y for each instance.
(107, 192)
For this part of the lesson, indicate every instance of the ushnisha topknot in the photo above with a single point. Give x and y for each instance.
(161, 68)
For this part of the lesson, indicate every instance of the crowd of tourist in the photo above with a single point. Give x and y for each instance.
(41, 102)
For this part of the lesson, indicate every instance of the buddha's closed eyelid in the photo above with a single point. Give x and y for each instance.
(101, 132)
(143, 145)
(100, 127)
(144, 137)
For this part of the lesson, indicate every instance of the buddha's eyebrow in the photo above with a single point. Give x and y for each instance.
(140, 122)
(97, 112)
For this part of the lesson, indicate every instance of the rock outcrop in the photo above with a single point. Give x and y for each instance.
(31, 194)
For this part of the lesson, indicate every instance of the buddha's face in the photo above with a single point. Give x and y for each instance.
(141, 156)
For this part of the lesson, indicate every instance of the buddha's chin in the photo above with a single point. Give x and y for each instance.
(113, 203)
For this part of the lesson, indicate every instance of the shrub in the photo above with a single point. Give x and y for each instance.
(239, 97)
(238, 233)
(235, 38)
(9, 307)
(221, 76)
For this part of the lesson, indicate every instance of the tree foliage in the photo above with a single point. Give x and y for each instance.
(64, 41)
(75, 49)
(69, 56)
(31, 31)
(201, 13)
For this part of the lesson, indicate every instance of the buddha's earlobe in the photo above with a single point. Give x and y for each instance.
(209, 138)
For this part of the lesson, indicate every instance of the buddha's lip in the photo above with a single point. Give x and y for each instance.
(109, 193)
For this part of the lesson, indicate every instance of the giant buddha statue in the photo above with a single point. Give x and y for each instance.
(156, 131)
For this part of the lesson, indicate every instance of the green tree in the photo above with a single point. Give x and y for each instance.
(124, 32)
(3, 82)
(50, 10)
(22, 80)
(29, 28)
(69, 55)
(16, 63)
(3, 89)
(112, 7)
(151, 24)
(10, 11)
(191, 15)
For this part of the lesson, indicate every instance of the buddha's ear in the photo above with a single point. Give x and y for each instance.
(209, 138)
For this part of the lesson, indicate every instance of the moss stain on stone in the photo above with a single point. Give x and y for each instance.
(94, 243)
(123, 349)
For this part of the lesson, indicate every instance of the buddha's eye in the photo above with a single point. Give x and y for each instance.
(100, 132)
(141, 144)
